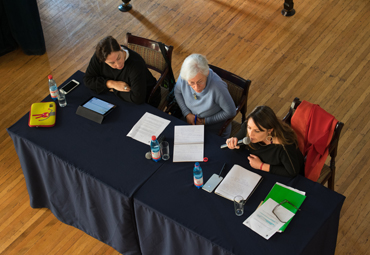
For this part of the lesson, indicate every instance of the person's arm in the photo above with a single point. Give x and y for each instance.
(137, 83)
(179, 97)
(256, 163)
(118, 85)
(94, 78)
(225, 101)
(232, 143)
(291, 160)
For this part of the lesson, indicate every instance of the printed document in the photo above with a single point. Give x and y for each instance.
(264, 222)
(280, 192)
(238, 181)
(189, 143)
(148, 125)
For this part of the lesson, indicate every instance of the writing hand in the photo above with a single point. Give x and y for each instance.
(190, 119)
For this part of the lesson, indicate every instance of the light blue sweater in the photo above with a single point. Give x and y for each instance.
(214, 103)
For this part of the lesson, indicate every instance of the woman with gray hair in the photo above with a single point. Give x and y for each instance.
(203, 96)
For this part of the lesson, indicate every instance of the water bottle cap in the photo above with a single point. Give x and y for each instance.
(50, 77)
(196, 164)
(154, 138)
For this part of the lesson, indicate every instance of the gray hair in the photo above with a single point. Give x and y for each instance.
(194, 64)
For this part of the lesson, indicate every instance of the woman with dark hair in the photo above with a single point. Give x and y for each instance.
(118, 69)
(273, 146)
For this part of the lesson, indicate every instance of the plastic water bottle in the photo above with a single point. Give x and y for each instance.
(53, 88)
(155, 149)
(198, 175)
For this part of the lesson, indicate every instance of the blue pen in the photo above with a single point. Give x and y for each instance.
(195, 120)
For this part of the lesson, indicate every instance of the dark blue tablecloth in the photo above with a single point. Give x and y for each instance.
(85, 172)
(94, 177)
(174, 217)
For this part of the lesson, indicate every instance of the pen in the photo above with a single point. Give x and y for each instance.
(195, 120)
(223, 167)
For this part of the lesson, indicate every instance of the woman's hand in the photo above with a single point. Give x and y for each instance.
(256, 163)
(232, 143)
(118, 85)
(200, 121)
(190, 119)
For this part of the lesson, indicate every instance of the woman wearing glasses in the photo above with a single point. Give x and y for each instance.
(203, 96)
(273, 147)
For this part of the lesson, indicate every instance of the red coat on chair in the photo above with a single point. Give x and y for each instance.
(314, 128)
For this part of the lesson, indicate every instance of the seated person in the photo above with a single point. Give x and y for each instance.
(199, 91)
(273, 147)
(118, 69)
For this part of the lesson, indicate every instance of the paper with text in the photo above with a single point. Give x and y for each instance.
(189, 143)
(264, 222)
(238, 181)
(148, 125)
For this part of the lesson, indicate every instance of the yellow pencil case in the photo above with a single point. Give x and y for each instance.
(42, 114)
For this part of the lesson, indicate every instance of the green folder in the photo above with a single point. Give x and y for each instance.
(279, 193)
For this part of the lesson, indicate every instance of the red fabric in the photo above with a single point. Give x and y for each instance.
(314, 128)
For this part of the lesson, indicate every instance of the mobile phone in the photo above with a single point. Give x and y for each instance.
(212, 183)
(72, 84)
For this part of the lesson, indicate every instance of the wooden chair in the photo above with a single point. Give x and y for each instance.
(327, 172)
(238, 88)
(151, 53)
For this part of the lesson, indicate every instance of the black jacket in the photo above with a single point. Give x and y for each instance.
(134, 73)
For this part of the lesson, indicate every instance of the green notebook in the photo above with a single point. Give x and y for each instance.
(279, 192)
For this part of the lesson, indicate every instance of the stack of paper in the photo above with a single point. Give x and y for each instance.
(189, 143)
(264, 222)
(238, 181)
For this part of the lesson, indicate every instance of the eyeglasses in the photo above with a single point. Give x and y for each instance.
(199, 83)
(281, 203)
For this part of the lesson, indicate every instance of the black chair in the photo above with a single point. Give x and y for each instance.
(238, 89)
(151, 53)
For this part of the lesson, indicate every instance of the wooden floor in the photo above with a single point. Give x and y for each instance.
(322, 54)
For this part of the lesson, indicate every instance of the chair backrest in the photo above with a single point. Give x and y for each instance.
(333, 145)
(149, 51)
(238, 89)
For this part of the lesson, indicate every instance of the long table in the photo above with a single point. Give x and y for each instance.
(97, 179)
(174, 217)
(86, 173)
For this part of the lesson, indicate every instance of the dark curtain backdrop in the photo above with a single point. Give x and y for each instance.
(20, 26)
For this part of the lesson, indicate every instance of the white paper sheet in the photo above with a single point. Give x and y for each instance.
(148, 125)
(264, 222)
(189, 134)
(238, 181)
(189, 143)
(293, 189)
